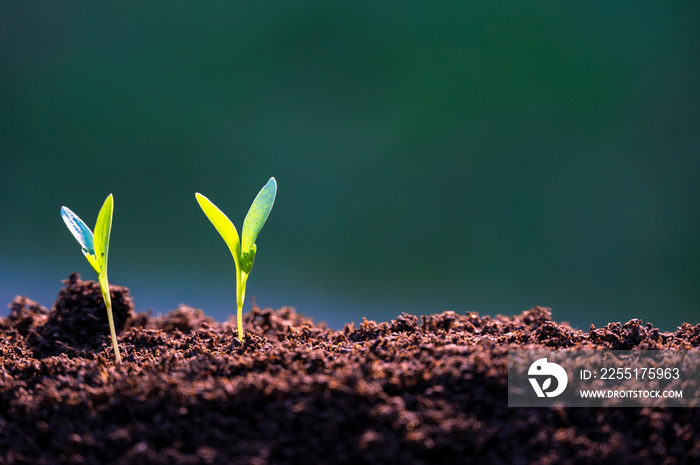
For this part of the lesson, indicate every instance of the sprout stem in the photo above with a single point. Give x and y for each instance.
(241, 279)
(104, 285)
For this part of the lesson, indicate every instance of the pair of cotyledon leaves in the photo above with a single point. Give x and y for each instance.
(243, 249)
(96, 246)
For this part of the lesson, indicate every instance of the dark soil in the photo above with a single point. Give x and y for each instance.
(415, 390)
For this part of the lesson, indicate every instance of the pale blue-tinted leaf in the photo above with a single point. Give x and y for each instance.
(257, 215)
(79, 230)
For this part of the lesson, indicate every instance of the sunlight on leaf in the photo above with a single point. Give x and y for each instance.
(103, 229)
(222, 224)
(83, 235)
(79, 230)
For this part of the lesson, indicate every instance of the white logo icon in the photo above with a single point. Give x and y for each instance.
(547, 371)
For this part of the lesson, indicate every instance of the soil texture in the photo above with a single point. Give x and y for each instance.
(414, 390)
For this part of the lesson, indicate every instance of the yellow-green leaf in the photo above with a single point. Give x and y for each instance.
(222, 224)
(103, 229)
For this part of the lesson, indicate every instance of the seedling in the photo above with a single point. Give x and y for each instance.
(244, 249)
(95, 248)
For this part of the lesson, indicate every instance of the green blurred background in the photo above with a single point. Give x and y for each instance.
(430, 156)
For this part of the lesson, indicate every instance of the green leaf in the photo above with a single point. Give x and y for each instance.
(103, 229)
(257, 215)
(82, 234)
(222, 224)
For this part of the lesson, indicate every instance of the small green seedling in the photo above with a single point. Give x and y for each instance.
(95, 248)
(244, 250)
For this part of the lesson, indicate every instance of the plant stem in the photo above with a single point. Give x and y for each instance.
(240, 298)
(104, 285)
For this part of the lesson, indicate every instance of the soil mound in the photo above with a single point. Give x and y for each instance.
(414, 390)
(77, 323)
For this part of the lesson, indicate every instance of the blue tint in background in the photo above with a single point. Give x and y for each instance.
(430, 156)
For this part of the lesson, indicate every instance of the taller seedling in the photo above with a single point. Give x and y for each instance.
(244, 250)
